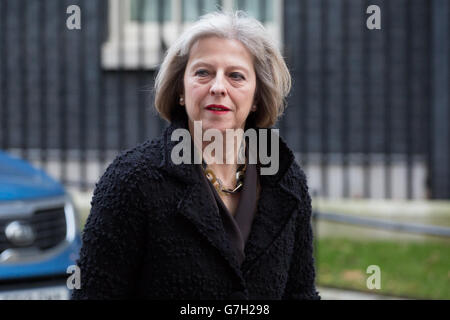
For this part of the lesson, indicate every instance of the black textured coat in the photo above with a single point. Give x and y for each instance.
(153, 233)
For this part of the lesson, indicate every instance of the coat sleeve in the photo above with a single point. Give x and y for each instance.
(112, 239)
(301, 278)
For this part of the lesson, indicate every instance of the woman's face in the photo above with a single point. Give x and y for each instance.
(219, 72)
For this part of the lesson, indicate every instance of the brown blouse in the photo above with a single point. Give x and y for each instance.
(238, 227)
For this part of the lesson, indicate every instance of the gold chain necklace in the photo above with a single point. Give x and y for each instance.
(218, 184)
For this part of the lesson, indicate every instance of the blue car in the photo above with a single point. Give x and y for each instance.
(39, 233)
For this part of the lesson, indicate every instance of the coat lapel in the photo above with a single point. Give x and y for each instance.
(275, 208)
(205, 217)
(276, 205)
(194, 205)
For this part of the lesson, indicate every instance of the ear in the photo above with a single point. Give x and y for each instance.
(255, 103)
(180, 91)
(254, 106)
(181, 98)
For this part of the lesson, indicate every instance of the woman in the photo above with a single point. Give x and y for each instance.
(213, 229)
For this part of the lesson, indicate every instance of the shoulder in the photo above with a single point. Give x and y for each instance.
(296, 181)
(294, 178)
(146, 155)
(131, 168)
(297, 175)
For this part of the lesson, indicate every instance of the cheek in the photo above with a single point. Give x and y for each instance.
(245, 97)
(195, 91)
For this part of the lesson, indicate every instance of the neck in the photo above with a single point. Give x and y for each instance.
(223, 157)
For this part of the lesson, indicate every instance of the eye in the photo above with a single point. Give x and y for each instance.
(237, 76)
(201, 72)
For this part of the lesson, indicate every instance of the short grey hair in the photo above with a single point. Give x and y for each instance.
(273, 80)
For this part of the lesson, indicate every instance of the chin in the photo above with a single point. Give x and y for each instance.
(220, 125)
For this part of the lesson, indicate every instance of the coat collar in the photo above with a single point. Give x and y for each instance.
(185, 172)
(276, 203)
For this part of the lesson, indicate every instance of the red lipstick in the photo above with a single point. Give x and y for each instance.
(217, 109)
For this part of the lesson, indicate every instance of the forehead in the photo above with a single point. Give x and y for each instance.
(219, 50)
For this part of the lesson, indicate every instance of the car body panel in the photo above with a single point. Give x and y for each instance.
(25, 191)
(20, 181)
(56, 264)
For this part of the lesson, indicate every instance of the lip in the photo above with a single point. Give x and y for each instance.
(224, 109)
(218, 106)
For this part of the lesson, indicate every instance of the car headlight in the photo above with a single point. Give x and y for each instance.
(72, 219)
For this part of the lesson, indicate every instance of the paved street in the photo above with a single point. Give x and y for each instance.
(338, 294)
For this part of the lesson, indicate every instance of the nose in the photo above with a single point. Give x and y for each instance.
(218, 87)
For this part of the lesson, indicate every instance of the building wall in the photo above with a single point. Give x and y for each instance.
(355, 91)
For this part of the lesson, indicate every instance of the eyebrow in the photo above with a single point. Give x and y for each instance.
(201, 63)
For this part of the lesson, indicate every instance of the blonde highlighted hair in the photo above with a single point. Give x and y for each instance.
(273, 80)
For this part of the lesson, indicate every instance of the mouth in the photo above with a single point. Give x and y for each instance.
(218, 109)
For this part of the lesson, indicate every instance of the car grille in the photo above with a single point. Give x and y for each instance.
(49, 227)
